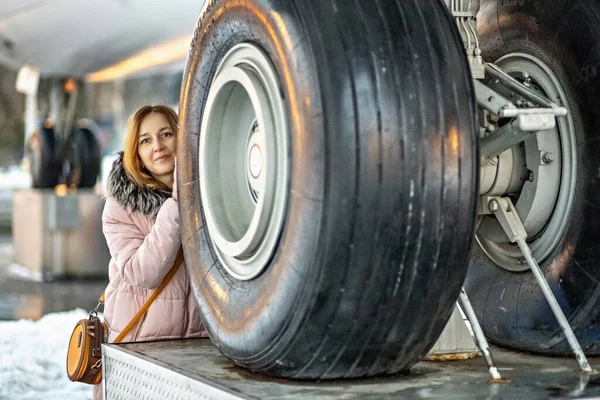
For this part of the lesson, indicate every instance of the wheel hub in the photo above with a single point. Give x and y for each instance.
(538, 174)
(254, 154)
(244, 171)
(255, 162)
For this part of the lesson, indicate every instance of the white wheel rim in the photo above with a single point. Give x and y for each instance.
(559, 202)
(244, 162)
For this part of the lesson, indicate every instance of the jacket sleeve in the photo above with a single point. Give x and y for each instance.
(142, 261)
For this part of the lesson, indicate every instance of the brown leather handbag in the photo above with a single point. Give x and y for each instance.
(84, 357)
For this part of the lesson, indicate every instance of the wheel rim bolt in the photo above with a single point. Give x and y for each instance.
(493, 205)
(548, 157)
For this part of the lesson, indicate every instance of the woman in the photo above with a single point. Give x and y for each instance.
(141, 226)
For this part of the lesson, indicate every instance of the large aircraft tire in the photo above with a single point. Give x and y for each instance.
(85, 158)
(553, 45)
(41, 151)
(328, 177)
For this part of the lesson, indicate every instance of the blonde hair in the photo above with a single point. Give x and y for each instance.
(131, 160)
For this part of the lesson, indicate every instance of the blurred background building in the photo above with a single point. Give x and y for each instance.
(122, 53)
(116, 56)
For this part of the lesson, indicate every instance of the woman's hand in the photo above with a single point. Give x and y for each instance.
(174, 192)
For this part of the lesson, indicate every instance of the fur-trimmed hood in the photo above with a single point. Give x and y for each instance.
(131, 196)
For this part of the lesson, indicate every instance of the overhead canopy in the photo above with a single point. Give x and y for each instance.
(80, 37)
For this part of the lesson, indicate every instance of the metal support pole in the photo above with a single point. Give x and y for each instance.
(517, 87)
(56, 105)
(508, 218)
(558, 313)
(30, 115)
(465, 304)
(70, 114)
(502, 140)
(27, 82)
(491, 100)
(518, 130)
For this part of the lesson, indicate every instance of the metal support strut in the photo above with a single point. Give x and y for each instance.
(504, 210)
(482, 343)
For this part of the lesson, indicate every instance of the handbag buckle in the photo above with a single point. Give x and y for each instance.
(95, 368)
(91, 331)
(97, 365)
(95, 310)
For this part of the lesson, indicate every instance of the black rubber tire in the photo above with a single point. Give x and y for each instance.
(42, 153)
(85, 159)
(384, 180)
(510, 305)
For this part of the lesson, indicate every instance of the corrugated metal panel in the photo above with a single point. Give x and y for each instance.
(128, 376)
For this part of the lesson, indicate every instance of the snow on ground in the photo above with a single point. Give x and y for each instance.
(14, 177)
(33, 358)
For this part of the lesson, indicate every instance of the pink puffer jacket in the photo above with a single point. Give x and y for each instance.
(141, 227)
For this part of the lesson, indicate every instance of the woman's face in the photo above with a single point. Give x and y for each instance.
(156, 146)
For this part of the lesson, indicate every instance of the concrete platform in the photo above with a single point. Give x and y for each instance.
(59, 235)
(23, 298)
(200, 371)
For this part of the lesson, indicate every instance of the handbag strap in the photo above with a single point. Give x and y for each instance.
(136, 318)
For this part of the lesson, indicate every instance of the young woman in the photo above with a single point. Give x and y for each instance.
(141, 226)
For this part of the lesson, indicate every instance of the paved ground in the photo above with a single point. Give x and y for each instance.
(20, 298)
